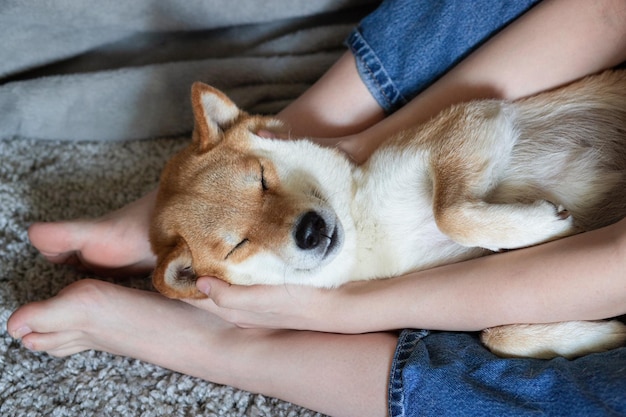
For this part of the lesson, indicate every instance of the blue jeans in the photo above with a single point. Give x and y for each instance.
(400, 49)
(406, 45)
(452, 374)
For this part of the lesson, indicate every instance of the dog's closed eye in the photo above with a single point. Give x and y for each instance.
(238, 246)
(263, 181)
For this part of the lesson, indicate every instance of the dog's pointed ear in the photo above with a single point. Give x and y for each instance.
(174, 276)
(213, 113)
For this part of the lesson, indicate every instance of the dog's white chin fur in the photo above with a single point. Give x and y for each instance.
(267, 268)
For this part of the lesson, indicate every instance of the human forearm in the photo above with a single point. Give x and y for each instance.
(577, 278)
(337, 105)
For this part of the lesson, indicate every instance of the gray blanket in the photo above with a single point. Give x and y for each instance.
(93, 100)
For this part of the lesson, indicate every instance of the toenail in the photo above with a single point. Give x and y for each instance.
(28, 344)
(21, 332)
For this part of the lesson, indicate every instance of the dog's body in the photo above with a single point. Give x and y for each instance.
(482, 176)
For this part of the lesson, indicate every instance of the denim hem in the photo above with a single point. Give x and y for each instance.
(406, 345)
(373, 73)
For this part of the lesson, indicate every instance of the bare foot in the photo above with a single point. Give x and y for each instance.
(115, 244)
(91, 314)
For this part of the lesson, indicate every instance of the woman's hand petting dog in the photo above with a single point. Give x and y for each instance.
(337, 310)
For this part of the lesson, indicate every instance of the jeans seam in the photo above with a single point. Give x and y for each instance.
(406, 345)
(377, 80)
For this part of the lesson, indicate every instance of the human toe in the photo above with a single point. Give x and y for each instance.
(55, 343)
(59, 242)
(69, 310)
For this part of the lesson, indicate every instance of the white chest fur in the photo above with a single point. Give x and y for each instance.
(396, 229)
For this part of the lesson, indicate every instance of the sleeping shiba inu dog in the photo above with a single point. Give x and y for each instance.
(480, 177)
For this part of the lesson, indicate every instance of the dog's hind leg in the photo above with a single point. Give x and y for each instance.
(473, 151)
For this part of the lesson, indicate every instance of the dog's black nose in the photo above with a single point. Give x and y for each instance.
(310, 230)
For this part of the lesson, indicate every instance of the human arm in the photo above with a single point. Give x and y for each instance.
(578, 278)
(553, 44)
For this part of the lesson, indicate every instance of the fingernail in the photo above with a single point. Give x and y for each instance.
(20, 332)
(203, 286)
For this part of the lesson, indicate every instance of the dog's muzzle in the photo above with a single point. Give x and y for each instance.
(318, 234)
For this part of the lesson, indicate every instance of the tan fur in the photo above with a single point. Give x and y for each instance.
(481, 176)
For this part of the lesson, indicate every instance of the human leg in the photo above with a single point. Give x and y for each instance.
(330, 373)
(116, 243)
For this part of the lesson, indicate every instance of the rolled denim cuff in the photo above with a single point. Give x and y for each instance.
(373, 73)
(406, 45)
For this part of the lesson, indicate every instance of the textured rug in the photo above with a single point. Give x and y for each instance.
(47, 180)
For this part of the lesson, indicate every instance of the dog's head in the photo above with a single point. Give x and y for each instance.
(250, 209)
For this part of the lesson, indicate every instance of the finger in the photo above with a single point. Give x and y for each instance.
(268, 134)
(239, 318)
(237, 297)
(210, 287)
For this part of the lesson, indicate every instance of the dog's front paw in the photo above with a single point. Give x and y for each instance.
(561, 211)
(532, 224)
(504, 226)
(552, 221)
(535, 223)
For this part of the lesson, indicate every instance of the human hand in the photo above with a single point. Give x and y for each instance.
(352, 308)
